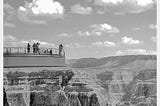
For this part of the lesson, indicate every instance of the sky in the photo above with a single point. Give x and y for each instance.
(86, 28)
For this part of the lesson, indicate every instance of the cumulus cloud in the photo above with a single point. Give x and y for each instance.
(78, 9)
(44, 8)
(126, 6)
(119, 53)
(99, 29)
(64, 35)
(136, 52)
(87, 33)
(74, 45)
(129, 40)
(11, 41)
(104, 43)
(104, 28)
(120, 2)
(105, 2)
(141, 51)
(144, 2)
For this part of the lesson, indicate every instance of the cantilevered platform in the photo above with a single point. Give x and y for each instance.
(15, 57)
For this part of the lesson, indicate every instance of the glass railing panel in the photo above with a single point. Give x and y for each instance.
(24, 50)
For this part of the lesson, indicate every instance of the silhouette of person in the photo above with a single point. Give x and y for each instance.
(51, 51)
(37, 47)
(34, 48)
(60, 49)
(28, 48)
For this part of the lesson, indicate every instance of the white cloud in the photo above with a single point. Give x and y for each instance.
(141, 51)
(119, 53)
(104, 28)
(126, 6)
(115, 2)
(64, 35)
(99, 29)
(103, 2)
(152, 26)
(136, 52)
(129, 40)
(144, 2)
(11, 41)
(104, 43)
(46, 8)
(74, 45)
(22, 8)
(42, 7)
(78, 9)
(87, 33)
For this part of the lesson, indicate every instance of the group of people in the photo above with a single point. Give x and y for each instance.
(48, 51)
(35, 47)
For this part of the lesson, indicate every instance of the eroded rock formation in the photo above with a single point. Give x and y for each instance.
(114, 81)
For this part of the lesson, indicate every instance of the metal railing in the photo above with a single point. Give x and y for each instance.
(25, 50)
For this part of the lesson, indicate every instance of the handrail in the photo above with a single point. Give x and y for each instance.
(31, 50)
(32, 47)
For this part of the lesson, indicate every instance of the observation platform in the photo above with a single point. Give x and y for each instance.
(18, 57)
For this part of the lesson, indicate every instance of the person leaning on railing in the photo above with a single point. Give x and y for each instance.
(28, 48)
(34, 48)
(60, 49)
(37, 48)
(50, 51)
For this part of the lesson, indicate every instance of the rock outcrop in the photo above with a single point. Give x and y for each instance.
(111, 81)
(62, 99)
(5, 102)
